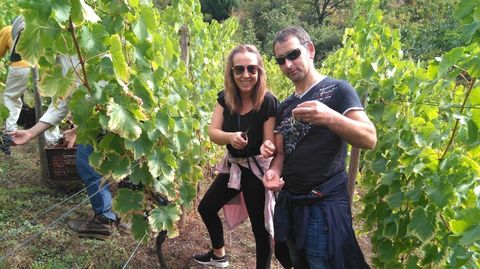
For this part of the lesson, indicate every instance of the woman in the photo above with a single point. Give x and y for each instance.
(243, 119)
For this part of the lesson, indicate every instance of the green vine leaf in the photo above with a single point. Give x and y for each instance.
(139, 226)
(421, 225)
(459, 226)
(87, 12)
(449, 59)
(115, 165)
(164, 218)
(57, 85)
(471, 236)
(4, 112)
(61, 10)
(119, 64)
(121, 122)
(128, 201)
(141, 174)
(140, 147)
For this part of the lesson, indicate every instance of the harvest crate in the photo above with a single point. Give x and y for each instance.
(61, 163)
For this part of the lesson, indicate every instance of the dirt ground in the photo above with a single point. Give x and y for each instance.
(57, 247)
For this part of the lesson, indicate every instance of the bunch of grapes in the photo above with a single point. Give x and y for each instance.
(5, 143)
(292, 131)
(126, 183)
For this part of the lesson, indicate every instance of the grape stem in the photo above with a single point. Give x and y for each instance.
(455, 127)
(71, 29)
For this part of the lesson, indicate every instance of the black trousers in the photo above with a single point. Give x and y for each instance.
(254, 194)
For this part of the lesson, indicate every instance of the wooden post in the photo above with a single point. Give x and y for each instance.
(184, 56)
(354, 164)
(38, 113)
(352, 171)
(184, 46)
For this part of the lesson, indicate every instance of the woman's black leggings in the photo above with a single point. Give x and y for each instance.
(254, 194)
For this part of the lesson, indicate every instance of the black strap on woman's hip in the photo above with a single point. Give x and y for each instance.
(248, 158)
(256, 164)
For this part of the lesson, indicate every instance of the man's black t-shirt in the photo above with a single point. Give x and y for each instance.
(251, 123)
(313, 153)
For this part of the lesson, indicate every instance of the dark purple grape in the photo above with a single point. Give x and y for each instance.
(5, 143)
(293, 131)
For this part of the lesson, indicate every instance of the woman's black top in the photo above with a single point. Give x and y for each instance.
(251, 122)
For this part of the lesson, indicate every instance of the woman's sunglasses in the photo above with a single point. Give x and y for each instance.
(240, 69)
(292, 55)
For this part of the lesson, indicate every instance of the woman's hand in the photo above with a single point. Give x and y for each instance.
(272, 181)
(267, 149)
(237, 141)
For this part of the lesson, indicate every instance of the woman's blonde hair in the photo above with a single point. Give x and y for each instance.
(232, 94)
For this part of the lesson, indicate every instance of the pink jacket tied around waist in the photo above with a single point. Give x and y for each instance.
(235, 211)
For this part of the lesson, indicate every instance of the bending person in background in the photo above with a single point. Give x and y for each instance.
(101, 226)
(18, 71)
(17, 78)
(312, 221)
(242, 120)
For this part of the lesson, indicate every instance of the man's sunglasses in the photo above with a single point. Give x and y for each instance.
(240, 69)
(292, 55)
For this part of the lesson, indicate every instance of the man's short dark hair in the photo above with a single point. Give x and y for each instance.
(292, 31)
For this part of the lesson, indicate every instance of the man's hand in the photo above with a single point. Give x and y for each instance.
(21, 137)
(272, 181)
(70, 136)
(237, 141)
(267, 149)
(314, 112)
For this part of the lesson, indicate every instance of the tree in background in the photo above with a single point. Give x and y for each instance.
(323, 9)
(217, 9)
(428, 28)
(325, 21)
(162, 4)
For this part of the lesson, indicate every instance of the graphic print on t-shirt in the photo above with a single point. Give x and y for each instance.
(324, 94)
(293, 130)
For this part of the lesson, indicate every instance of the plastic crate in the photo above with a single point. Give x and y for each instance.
(61, 163)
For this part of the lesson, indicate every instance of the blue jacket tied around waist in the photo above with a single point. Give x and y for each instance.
(291, 221)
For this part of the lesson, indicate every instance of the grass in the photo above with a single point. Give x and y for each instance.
(24, 200)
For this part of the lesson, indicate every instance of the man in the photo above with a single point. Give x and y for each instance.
(101, 226)
(313, 225)
(17, 78)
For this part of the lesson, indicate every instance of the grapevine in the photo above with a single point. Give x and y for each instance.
(421, 188)
(135, 82)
